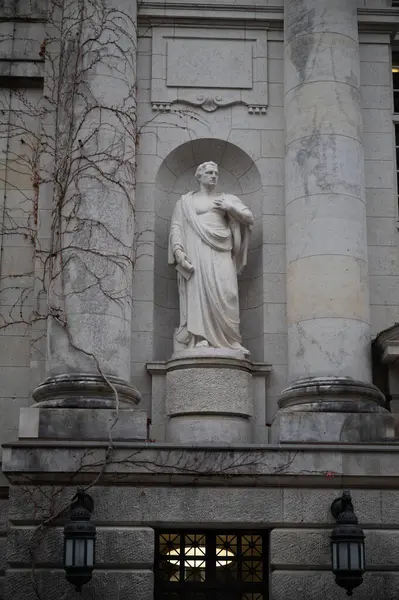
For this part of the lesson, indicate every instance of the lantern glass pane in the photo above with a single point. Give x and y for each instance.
(69, 553)
(80, 553)
(90, 553)
(354, 549)
(343, 562)
(334, 548)
(362, 562)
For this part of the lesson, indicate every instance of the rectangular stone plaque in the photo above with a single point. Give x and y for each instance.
(209, 67)
(209, 63)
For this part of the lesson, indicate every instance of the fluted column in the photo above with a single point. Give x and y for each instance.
(327, 274)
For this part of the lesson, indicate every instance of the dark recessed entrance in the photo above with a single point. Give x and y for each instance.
(211, 565)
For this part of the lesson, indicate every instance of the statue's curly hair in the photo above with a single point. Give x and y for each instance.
(201, 168)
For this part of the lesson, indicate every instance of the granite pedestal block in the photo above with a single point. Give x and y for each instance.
(209, 397)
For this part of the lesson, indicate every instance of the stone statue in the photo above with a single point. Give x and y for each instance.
(208, 244)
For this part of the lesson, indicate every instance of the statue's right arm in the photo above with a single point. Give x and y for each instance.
(176, 234)
(177, 239)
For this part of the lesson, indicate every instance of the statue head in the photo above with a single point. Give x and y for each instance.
(207, 173)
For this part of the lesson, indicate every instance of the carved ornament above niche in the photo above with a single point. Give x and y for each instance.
(211, 68)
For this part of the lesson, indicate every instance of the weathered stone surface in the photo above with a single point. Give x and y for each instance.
(82, 424)
(4, 503)
(208, 429)
(324, 427)
(205, 465)
(105, 585)
(313, 506)
(127, 546)
(347, 237)
(223, 390)
(221, 411)
(300, 548)
(85, 390)
(327, 287)
(269, 507)
(309, 548)
(314, 585)
(3, 551)
(97, 245)
(330, 348)
(140, 505)
(389, 506)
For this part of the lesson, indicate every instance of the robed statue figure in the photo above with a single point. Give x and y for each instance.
(208, 243)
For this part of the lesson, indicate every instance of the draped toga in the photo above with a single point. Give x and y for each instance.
(216, 244)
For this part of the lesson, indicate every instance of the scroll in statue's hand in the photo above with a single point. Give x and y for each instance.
(181, 260)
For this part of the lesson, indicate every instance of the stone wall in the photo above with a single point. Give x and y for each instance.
(299, 520)
(22, 351)
(380, 169)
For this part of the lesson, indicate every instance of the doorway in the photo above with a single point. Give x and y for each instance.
(211, 565)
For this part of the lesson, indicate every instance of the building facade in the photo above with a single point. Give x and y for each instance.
(212, 474)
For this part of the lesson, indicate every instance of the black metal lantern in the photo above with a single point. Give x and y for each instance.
(79, 540)
(347, 545)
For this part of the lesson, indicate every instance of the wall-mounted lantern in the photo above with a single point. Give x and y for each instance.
(347, 545)
(79, 540)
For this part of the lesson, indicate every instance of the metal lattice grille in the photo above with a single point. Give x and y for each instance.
(211, 565)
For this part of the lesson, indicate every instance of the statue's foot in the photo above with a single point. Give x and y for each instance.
(202, 344)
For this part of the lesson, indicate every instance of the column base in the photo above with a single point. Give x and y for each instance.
(209, 397)
(332, 409)
(82, 390)
(332, 394)
(84, 407)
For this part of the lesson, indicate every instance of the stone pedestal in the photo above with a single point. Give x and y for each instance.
(208, 397)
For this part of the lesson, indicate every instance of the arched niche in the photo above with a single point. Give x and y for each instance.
(238, 175)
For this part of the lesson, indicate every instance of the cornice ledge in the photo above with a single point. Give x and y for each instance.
(378, 20)
(158, 12)
(387, 345)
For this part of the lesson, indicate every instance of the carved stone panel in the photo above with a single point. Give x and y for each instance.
(209, 68)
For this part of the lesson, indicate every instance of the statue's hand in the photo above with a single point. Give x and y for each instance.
(179, 256)
(187, 265)
(181, 260)
(223, 203)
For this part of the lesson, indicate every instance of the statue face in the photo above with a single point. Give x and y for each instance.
(209, 176)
